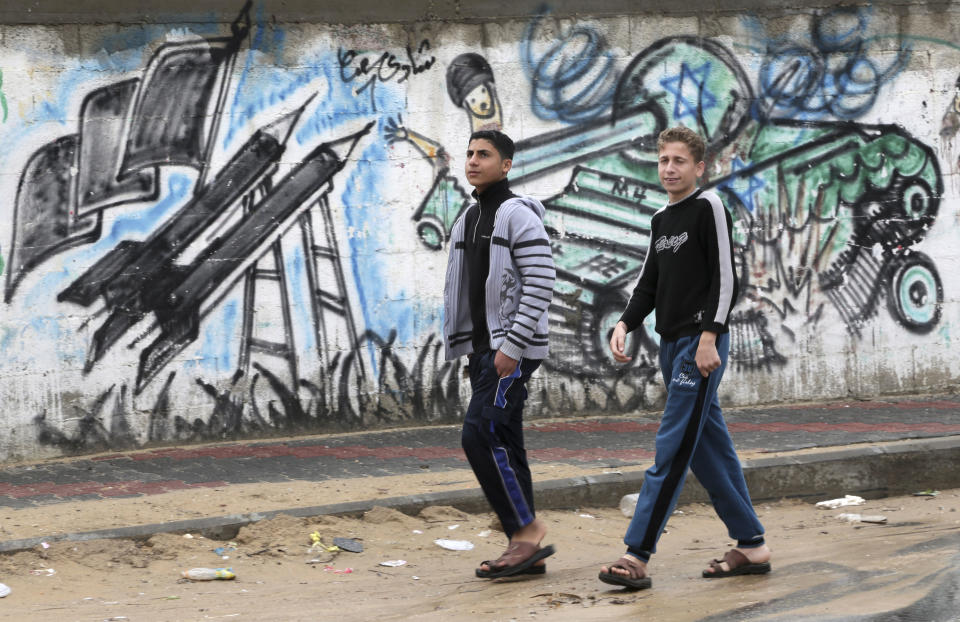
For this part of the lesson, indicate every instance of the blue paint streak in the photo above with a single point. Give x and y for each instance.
(6, 340)
(301, 313)
(178, 191)
(51, 330)
(141, 36)
(244, 99)
(577, 54)
(341, 106)
(337, 104)
(383, 304)
(261, 88)
(216, 351)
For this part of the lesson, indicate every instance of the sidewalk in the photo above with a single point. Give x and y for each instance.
(814, 451)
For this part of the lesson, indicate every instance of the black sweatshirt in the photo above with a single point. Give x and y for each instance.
(478, 227)
(688, 274)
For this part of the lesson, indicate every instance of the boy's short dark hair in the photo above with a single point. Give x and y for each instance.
(501, 141)
(685, 135)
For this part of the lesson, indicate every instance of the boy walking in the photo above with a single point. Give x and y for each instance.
(498, 287)
(688, 277)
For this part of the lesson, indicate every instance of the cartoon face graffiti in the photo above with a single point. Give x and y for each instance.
(481, 102)
(470, 85)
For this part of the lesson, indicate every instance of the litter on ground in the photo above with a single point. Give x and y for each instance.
(845, 501)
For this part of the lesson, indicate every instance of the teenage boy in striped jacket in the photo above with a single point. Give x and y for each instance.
(689, 277)
(498, 287)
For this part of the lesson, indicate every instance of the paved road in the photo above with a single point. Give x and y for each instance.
(610, 441)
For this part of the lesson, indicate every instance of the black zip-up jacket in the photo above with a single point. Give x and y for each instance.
(478, 228)
(688, 274)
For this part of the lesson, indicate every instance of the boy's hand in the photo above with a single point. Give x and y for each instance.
(618, 341)
(504, 364)
(707, 357)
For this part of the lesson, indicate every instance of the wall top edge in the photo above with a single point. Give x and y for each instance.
(64, 12)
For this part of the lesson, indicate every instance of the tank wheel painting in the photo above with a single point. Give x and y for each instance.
(915, 294)
(597, 326)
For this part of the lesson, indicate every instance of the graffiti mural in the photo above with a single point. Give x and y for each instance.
(574, 78)
(225, 237)
(824, 211)
(355, 66)
(835, 72)
(263, 252)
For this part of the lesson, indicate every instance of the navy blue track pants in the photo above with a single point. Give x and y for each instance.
(492, 439)
(692, 434)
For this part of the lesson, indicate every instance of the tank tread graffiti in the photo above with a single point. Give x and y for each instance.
(751, 345)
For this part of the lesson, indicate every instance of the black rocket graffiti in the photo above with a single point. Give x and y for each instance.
(242, 211)
(190, 292)
(127, 130)
(128, 275)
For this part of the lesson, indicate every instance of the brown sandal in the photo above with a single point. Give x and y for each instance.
(636, 580)
(492, 566)
(519, 558)
(737, 564)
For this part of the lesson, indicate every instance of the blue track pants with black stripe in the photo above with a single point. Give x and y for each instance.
(692, 434)
(492, 439)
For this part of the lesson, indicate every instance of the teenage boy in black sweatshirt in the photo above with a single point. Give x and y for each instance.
(688, 277)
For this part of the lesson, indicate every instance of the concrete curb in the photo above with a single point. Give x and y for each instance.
(898, 467)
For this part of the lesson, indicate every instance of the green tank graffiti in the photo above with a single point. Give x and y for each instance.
(3, 105)
(835, 206)
(832, 208)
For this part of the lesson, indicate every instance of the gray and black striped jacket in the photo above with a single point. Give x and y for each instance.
(519, 285)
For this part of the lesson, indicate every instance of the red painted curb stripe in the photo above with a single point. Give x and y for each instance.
(103, 489)
(778, 426)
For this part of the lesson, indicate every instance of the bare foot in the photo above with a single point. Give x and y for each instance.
(533, 532)
(756, 555)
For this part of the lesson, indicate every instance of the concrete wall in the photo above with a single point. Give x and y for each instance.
(220, 227)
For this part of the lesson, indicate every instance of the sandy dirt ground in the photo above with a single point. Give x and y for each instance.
(48, 520)
(823, 567)
(52, 519)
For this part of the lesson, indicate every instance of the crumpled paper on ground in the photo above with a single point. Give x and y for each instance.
(832, 504)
